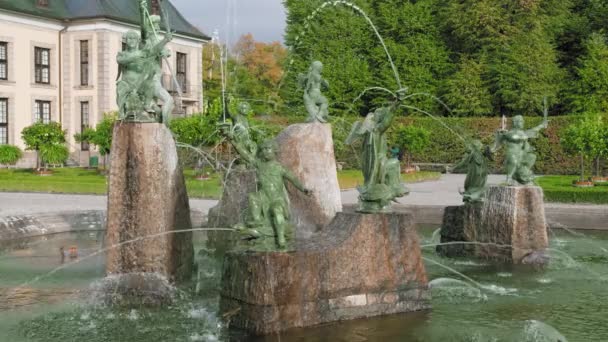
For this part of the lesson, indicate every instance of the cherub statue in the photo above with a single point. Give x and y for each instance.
(520, 155)
(238, 130)
(381, 174)
(476, 164)
(316, 104)
(268, 222)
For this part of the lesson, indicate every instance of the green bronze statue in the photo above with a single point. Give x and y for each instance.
(316, 104)
(139, 87)
(381, 174)
(476, 164)
(268, 224)
(520, 155)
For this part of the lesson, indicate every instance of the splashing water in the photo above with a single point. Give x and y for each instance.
(536, 331)
(357, 9)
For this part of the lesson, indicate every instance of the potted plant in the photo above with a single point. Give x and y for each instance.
(9, 155)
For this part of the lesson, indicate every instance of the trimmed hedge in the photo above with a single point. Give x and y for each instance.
(446, 147)
(560, 189)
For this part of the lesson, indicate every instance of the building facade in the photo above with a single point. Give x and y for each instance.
(58, 63)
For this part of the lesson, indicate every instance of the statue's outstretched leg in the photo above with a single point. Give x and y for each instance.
(392, 178)
(255, 210)
(168, 103)
(280, 225)
(511, 167)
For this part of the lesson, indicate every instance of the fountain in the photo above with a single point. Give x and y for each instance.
(512, 215)
(146, 192)
(323, 265)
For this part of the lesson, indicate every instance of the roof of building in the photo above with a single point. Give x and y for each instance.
(126, 11)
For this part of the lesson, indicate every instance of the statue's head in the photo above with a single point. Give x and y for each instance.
(244, 108)
(518, 122)
(132, 39)
(317, 66)
(476, 145)
(155, 20)
(267, 150)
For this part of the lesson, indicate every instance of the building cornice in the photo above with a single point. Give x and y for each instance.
(24, 19)
(116, 26)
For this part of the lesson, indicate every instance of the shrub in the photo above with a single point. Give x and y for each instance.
(9, 154)
(41, 135)
(54, 154)
(411, 138)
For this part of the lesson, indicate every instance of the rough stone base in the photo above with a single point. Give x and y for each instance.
(147, 199)
(460, 224)
(231, 210)
(359, 266)
(511, 221)
(307, 150)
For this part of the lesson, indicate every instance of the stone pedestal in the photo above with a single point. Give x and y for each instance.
(361, 265)
(230, 210)
(307, 150)
(514, 216)
(460, 224)
(511, 219)
(146, 199)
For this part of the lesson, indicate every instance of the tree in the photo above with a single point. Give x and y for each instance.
(413, 139)
(587, 138)
(43, 138)
(354, 57)
(9, 155)
(466, 92)
(85, 137)
(590, 89)
(101, 136)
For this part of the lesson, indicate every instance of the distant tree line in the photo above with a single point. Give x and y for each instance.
(480, 57)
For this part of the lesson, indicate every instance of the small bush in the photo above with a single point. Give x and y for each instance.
(54, 154)
(9, 154)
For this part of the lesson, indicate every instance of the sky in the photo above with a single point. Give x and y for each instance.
(265, 19)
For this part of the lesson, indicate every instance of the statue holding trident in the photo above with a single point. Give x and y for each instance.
(381, 174)
(520, 155)
(139, 86)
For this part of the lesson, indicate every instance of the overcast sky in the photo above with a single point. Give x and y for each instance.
(265, 19)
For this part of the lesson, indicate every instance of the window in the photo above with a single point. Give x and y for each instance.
(3, 61)
(3, 121)
(42, 111)
(42, 62)
(181, 63)
(84, 123)
(84, 62)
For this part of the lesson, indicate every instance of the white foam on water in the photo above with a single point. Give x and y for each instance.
(133, 315)
(545, 280)
(504, 274)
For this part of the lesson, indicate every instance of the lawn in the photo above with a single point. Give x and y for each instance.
(560, 189)
(83, 181)
(349, 179)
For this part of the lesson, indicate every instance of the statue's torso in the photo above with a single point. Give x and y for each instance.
(270, 179)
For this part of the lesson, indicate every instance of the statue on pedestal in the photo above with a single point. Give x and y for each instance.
(520, 155)
(381, 174)
(139, 86)
(476, 164)
(268, 224)
(316, 104)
